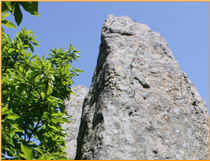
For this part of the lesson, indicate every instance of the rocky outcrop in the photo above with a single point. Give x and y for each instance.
(74, 108)
(140, 105)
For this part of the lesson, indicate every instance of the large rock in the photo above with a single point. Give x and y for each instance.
(140, 105)
(74, 108)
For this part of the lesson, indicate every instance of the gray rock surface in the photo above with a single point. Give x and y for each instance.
(74, 108)
(140, 105)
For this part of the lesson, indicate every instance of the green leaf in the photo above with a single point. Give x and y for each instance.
(42, 58)
(73, 93)
(8, 24)
(31, 7)
(25, 157)
(4, 109)
(27, 152)
(35, 44)
(5, 15)
(62, 158)
(18, 46)
(4, 8)
(33, 57)
(9, 5)
(18, 14)
(29, 32)
(39, 150)
(62, 108)
(18, 130)
(34, 74)
(12, 116)
(49, 90)
(43, 95)
(49, 157)
(42, 157)
(11, 50)
(52, 77)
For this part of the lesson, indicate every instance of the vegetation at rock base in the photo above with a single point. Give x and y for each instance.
(33, 90)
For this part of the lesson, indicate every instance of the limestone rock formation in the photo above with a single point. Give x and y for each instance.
(74, 108)
(140, 105)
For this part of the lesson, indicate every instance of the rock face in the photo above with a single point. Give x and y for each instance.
(74, 108)
(140, 104)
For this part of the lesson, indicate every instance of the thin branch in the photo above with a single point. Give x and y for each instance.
(35, 127)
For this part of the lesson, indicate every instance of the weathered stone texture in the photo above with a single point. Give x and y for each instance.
(74, 108)
(140, 105)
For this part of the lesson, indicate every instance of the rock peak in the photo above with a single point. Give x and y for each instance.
(141, 105)
(123, 25)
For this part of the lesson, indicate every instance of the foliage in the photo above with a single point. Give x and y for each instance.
(33, 91)
(14, 8)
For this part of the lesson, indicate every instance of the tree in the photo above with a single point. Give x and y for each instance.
(33, 91)
(14, 8)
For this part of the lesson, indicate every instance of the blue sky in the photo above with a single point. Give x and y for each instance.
(184, 25)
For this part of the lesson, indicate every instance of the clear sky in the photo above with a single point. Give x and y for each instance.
(184, 25)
